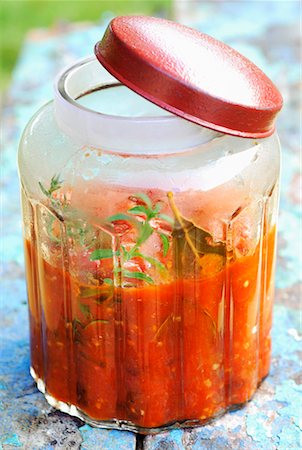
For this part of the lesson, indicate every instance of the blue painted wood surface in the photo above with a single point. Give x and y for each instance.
(266, 32)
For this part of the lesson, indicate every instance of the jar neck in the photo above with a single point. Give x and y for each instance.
(153, 132)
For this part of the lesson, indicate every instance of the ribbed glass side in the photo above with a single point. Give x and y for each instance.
(144, 320)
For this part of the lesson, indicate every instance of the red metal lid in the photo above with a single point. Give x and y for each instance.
(190, 74)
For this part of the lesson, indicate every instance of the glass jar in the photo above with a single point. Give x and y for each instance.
(150, 249)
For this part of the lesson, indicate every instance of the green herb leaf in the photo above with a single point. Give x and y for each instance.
(101, 253)
(96, 323)
(87, 291)
(187, 234)
(45, 192)
(166, 243)
(129, 254)
(125, 253)
(139, 209)
(98, 294)
(145, 233)
(55, 184)
(199, 238)
(154, 261)
(157, 208)
(94, 291)
(166, 218)
(108, 281)
(120, 216)
(85, 310)
(138, 275)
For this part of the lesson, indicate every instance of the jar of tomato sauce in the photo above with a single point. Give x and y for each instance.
(150, 197)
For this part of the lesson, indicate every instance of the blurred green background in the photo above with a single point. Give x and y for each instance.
(18, 17)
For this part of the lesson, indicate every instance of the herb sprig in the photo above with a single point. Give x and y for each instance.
(76, 228)
(145, 216)
(55, 184)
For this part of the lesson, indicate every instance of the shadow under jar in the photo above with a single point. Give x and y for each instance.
(150, 249)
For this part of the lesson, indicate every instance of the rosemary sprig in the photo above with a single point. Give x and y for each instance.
(76, 228)
(55, 185)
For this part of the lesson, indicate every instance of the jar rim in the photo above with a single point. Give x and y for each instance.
(157, 134)
(62, 89)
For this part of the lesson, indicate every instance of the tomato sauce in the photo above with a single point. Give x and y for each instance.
(151, 355)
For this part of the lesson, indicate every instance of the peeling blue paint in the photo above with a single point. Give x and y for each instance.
(106, 439)
(165, 441)
(12, 440)
(290, 395)
(289, 438)
(257, 427)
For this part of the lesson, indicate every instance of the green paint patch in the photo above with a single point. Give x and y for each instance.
(18, 17)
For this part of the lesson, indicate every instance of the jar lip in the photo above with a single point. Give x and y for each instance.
(145, 135)
(60, 87)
